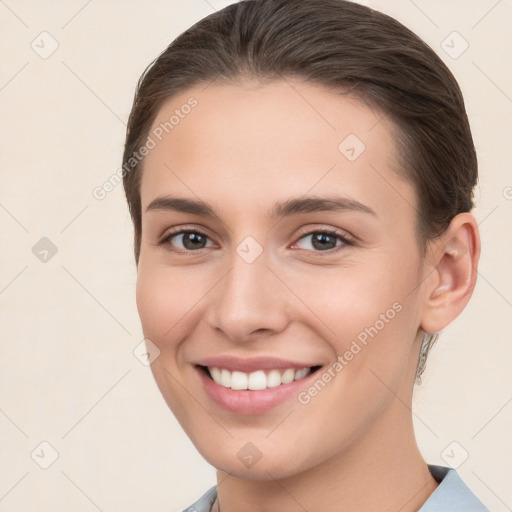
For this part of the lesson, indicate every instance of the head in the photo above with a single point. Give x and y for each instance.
(248, 112)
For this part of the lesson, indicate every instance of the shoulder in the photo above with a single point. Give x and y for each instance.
(205, 502)
(452, 494)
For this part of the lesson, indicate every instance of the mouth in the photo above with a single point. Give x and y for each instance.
(253, 385)
(256, 380)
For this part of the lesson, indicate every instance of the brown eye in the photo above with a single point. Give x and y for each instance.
(190, 240)
(325, 240)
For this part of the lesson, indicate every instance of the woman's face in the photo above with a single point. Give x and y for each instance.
(306, 258)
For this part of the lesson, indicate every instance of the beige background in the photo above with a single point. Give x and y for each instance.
(68, 375)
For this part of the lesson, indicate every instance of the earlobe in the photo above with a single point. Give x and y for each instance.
(455, 260)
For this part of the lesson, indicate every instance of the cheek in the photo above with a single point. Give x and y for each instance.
(165, 298)
(162, 305)
(154, 301)
(373, 320)
(349, 299)
(368, 313)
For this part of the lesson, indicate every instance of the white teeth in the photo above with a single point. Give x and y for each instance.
(273, 379)
(216, 374)
(300, 374)
(238, 380)
(256, 380)
(225, 379)
(288, 376)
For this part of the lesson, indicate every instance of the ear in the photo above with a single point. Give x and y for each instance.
(452, 265)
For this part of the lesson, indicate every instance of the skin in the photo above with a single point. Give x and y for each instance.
(242, 148)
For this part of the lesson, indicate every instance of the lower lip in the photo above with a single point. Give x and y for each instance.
(251, 401)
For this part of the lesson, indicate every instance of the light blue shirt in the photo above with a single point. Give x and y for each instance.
(451, 495)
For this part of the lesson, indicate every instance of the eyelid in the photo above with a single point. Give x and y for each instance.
(184, 227)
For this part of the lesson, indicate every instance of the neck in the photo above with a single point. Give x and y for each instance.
(382, 471)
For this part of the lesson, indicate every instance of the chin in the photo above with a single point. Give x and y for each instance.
(234, 458)
(261, 471)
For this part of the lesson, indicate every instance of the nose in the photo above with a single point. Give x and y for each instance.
(249, 302)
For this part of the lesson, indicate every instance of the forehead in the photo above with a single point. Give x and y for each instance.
(278, 139)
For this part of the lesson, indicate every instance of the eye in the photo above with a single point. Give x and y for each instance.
(325, 240)
(192, 240)
(189, 239)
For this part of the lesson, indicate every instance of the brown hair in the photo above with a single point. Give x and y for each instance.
(341, 45)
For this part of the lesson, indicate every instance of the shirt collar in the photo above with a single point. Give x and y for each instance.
(452, 494)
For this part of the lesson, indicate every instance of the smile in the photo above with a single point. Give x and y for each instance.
(253, 385)
(257, 380)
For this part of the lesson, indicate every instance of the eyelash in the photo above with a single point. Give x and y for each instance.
(346, 240)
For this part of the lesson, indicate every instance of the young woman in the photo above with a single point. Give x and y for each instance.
(300, 177)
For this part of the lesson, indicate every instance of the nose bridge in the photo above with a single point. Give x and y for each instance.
(249, 297)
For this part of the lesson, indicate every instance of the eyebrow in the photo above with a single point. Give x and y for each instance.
(280, 209)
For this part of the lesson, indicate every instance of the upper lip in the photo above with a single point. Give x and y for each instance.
(233, 363)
